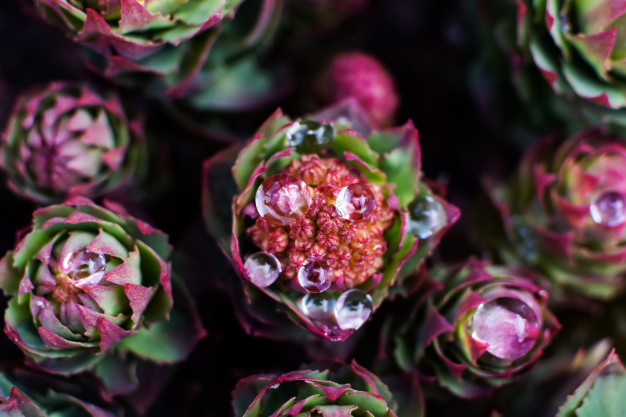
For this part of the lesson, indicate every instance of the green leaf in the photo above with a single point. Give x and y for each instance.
(248, 160)
(607, 398)
(400, 171)
(33, 242)
(345, 141)
(166, 341)
(365, 401)
(118, 375)
(218, 191)
(9, 276)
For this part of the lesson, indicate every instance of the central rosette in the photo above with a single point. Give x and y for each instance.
(324, 223)
(327, 215)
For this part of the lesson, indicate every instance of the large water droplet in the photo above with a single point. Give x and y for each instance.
(427, 216)
(262, 269)
(508, 325)
(309, 136)
(353, 308)
(282, 198)
(84, 268)
(315, 275)
(609, 209)
(318, 306)
(355, 202)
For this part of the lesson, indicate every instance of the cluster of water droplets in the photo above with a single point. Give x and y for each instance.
(281, 199)
(348, 311)
(84, 268)
(609, 209)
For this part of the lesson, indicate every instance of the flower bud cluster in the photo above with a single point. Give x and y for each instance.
(353, 249)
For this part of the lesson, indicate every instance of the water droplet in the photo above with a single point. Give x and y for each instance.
(508, 325)
(427, 216)
(353, 308)
(318, 306)
(315, 275)
(84, 268)
(609, 209)
(355, 202)
(282, 198)
(262, 269)
(309, 136)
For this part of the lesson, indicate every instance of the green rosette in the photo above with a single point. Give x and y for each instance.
(91, 290)
(364, 257)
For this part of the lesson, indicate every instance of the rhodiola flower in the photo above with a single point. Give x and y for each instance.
(341, 390)
(66, 139)
(565, 213)
(91, 290)
(478, 329)
(324, 218)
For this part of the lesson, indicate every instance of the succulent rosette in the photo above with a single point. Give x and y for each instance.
(341, 390)
(602, 393)
(91, 290)
(325, 219)
(578, 48)
(25, 395)
(362, 76)
(565, 213)
(161, 45)
(479, 327)
(66, 139)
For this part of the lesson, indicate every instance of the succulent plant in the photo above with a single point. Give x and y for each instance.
(363, 77)
(323, 218)
(479, 327)
(19, 397)
(601, 394)
(576, 47)
(565, 213)
(341, 390)
(161, 45)
(91, 290)
(66, 139)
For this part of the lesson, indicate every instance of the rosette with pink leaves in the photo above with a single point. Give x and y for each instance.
(323, 218)
(340, 390)
(565, 213)
(91, 290)
(474, 327)
(65, 139)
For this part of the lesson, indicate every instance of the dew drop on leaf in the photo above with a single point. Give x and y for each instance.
(508, 325)
(262, 269)
(353, 308)
(315, 275)
(355, 202)
(318, 306)
(84, 267)
(427, 216)
(309, 136)
(609, 209)
(282, 198)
